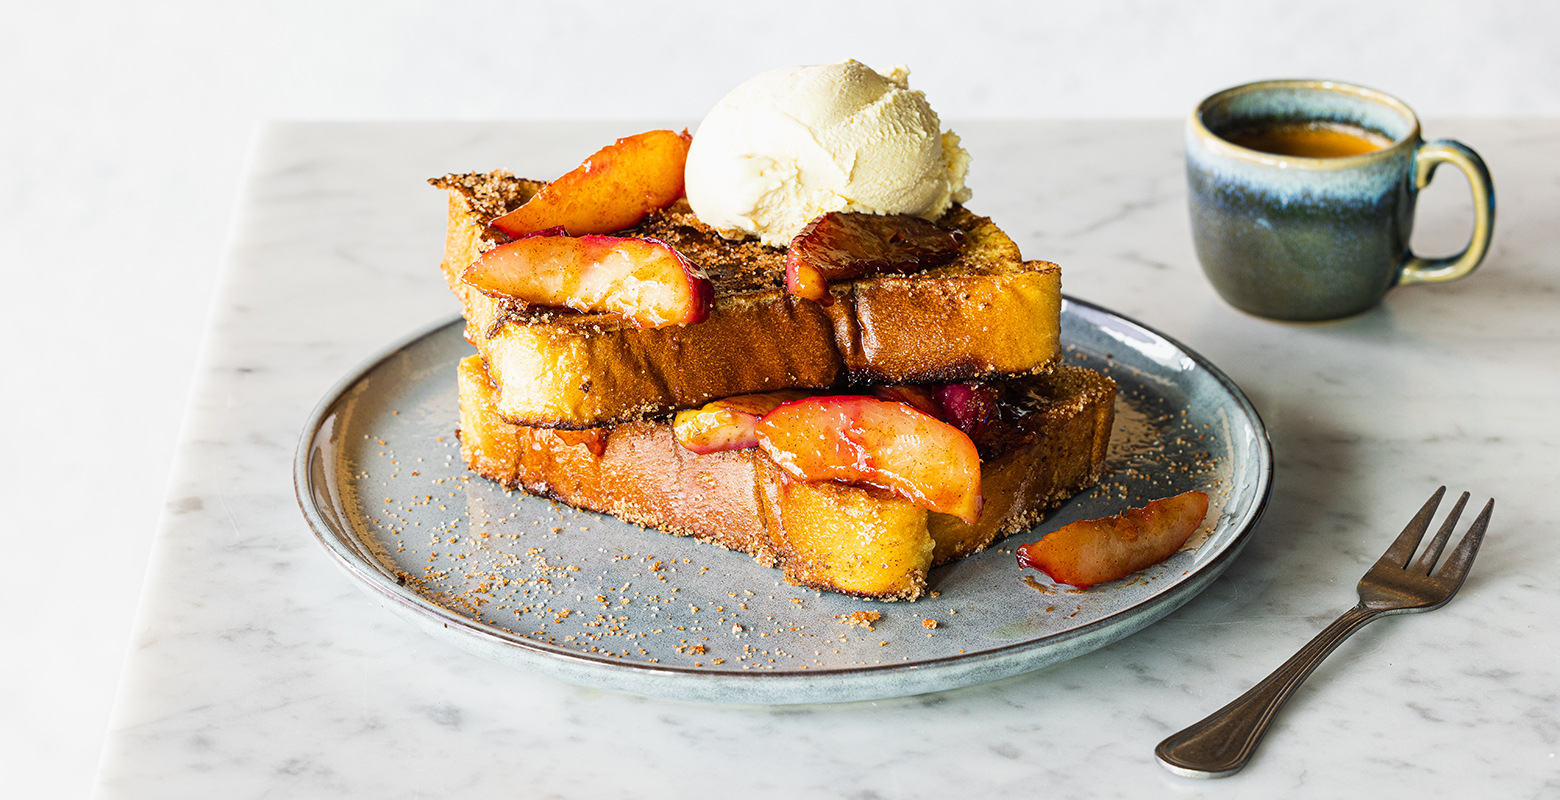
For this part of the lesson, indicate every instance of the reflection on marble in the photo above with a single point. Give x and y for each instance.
(259, 670)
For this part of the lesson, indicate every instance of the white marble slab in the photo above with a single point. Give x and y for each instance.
(258, 670)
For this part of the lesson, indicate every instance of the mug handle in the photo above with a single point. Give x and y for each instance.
(1436, 270)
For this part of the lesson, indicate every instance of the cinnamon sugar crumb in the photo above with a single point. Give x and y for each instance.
(863, 619)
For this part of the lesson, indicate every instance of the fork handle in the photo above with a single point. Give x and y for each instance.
(1221, 744)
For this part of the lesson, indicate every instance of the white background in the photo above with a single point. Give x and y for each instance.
(124, 129)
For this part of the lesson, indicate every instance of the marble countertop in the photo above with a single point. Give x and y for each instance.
(257, 668)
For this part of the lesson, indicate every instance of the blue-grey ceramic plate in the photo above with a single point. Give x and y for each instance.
(595, 602)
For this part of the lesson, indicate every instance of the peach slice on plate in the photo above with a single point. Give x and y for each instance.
(875, 442)
(728, 424)
(645, 281)
(1098, 550)
(614, 189)
(845, 245)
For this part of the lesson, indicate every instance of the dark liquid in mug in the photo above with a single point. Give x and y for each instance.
(1310, 140)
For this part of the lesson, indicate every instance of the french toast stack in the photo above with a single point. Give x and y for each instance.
(577, 406)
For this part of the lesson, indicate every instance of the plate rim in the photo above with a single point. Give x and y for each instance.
(787, 687)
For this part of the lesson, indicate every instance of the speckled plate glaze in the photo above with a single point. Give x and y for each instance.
(595, 602)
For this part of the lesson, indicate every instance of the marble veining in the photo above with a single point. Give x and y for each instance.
(258, 670)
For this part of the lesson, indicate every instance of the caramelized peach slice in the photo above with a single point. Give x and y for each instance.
(1098, 550)
(882, 443)
(728, 424)
(614, 189)
(841, 245)
(920, 398)
(643, 280)
(970, 407)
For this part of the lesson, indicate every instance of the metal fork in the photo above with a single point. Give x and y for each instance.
(1221, 744)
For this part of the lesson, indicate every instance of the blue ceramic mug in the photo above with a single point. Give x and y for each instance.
(1302, 197)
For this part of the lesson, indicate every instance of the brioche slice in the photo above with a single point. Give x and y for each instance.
(986, 314)
(1049, 445)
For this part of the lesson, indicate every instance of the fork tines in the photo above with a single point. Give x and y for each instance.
(1456, 565)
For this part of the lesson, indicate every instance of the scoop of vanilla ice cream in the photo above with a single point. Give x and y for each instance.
(797, 142)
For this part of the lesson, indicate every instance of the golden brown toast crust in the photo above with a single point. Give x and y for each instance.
(986, 314)
(825, 536)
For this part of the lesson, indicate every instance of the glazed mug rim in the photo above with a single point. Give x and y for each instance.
(1224, 147)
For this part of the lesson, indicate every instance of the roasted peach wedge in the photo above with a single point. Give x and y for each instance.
(614, 189)
(645, 281)
(845, 245)
(728, 424)
(920, 398)
(1098, 550)
(875, 442)
(970, 407)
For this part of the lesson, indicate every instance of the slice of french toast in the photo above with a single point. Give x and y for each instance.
(986, 314)
(1049, 443)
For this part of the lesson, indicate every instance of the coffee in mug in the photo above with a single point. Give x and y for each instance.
(1310, 139)
(1302, 197)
